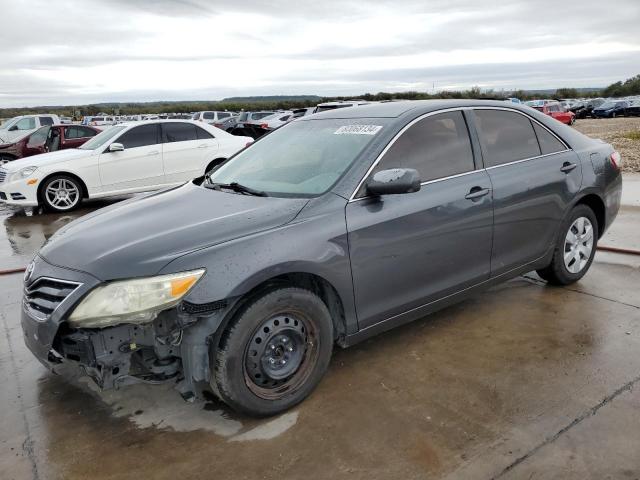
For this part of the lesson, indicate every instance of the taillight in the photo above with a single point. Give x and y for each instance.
(616, 160)
(248, 143)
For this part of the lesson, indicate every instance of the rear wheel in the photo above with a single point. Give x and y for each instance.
(575, 248)
(274, 353)
(61, 193)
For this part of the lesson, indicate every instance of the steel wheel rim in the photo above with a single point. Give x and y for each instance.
(281, 355)
(578, 245)
(62, 194)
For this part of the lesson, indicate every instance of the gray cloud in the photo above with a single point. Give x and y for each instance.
(38, 39)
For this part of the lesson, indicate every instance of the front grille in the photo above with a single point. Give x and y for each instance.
(3, 175)
(45, 294)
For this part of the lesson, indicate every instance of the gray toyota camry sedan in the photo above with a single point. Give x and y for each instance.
(333, 228)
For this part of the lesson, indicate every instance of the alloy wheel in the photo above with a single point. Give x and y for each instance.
(578, 245)
(62, 194)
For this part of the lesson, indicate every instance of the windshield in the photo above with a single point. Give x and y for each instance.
(102, 138)
(301, 159)
(8, 123)
(607, 105)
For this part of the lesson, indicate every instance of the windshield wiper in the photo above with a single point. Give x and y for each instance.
(236, 187)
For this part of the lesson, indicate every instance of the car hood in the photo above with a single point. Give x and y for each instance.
(49, 158)
(140, 236)
(12, 137)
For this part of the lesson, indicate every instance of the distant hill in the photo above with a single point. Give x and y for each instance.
(273, 98)
(551, 91)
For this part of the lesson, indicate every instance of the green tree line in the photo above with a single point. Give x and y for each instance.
(630, 86)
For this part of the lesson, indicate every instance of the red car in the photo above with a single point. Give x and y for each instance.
(47, 139)
(555, 110)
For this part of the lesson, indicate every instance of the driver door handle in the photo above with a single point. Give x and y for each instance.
(204, 145)
(567, 167)
(155, 152)
(477, 192)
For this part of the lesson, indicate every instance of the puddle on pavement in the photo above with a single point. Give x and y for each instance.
(26, 230)
(161, 407)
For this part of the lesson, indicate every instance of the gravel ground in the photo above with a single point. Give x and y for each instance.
(612, 130)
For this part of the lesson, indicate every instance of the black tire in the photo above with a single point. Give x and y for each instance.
(242, 375)
(557, 272)
(65, 184)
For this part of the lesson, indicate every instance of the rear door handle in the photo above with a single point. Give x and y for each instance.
(155, 152)
(477, 192)
(567, 167)
(204, 145)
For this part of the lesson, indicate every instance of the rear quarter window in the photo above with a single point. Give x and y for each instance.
(548, 142)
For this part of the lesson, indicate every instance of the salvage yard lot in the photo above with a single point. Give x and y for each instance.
(623, 133)
(525, 381)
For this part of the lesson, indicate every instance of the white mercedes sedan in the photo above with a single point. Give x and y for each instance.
(126, 158)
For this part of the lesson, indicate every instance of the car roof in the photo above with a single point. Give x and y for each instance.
(399, 108)
(159, 120)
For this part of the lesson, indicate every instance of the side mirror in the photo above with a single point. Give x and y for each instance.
(14, 128)
(394, 181)
(116, 147)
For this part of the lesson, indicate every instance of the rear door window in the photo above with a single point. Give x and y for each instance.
(505, 136)
(179, 132)
(209, 115)
(46, 120)
(437, 146)
(140, 136)
(548, 142)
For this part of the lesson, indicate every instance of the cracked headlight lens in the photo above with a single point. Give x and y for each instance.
(133, 301)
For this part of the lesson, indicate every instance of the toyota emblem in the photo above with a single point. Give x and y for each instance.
(28, 272)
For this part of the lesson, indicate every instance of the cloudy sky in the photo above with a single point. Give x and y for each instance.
(82, 51)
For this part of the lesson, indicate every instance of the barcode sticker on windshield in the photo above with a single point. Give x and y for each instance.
(358, 130)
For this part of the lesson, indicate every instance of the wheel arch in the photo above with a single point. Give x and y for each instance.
(83, 185)
(309, 281)
(596, 204)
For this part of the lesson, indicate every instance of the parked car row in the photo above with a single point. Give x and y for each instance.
(125, 158)
(554, 109)
(567, 111)
(48, 138)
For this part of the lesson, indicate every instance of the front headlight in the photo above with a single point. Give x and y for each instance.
(23, 173)
(133, 301)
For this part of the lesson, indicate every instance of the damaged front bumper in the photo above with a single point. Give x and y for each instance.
(173, 347)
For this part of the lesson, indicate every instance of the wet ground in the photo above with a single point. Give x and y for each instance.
(524, 381)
